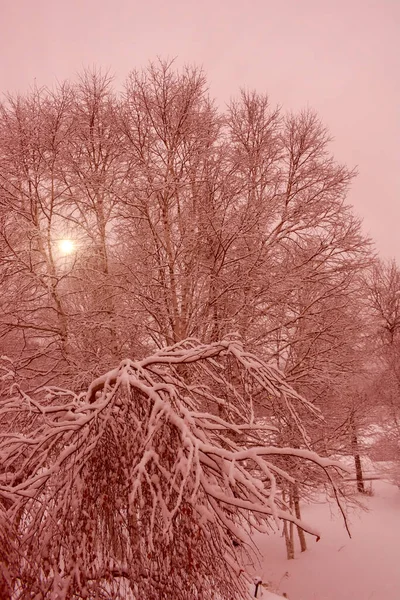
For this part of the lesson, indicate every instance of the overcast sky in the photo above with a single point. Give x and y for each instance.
(341, 58)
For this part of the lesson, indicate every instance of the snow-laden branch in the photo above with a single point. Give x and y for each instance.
(163, 466)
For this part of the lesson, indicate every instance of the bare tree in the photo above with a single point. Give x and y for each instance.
(178, 203)
(34, 321)
(187, 221)
(61, 172)
(94, 169)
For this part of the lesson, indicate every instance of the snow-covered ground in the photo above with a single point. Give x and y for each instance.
(366, 567)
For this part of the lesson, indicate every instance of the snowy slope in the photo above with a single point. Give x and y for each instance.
(365, 567)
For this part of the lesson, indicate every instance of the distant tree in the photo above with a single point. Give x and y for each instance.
(137, 489)
(383, 298)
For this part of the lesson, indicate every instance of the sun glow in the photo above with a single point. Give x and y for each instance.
(66, 246)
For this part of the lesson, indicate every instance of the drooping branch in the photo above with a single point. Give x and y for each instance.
(144, 460)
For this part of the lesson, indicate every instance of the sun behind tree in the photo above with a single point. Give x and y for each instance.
(66, 246)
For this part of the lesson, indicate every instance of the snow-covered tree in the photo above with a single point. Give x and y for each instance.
(150, 483)
(187, 222)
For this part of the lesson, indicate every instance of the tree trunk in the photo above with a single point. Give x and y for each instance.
(356, 455)
(288, 533)
(301, 534)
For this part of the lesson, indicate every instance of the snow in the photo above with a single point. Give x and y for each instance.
(365, 567)
(267, 595)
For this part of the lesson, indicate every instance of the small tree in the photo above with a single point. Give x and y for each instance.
(149, 485)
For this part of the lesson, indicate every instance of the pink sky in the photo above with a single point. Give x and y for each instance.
(341, 58)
